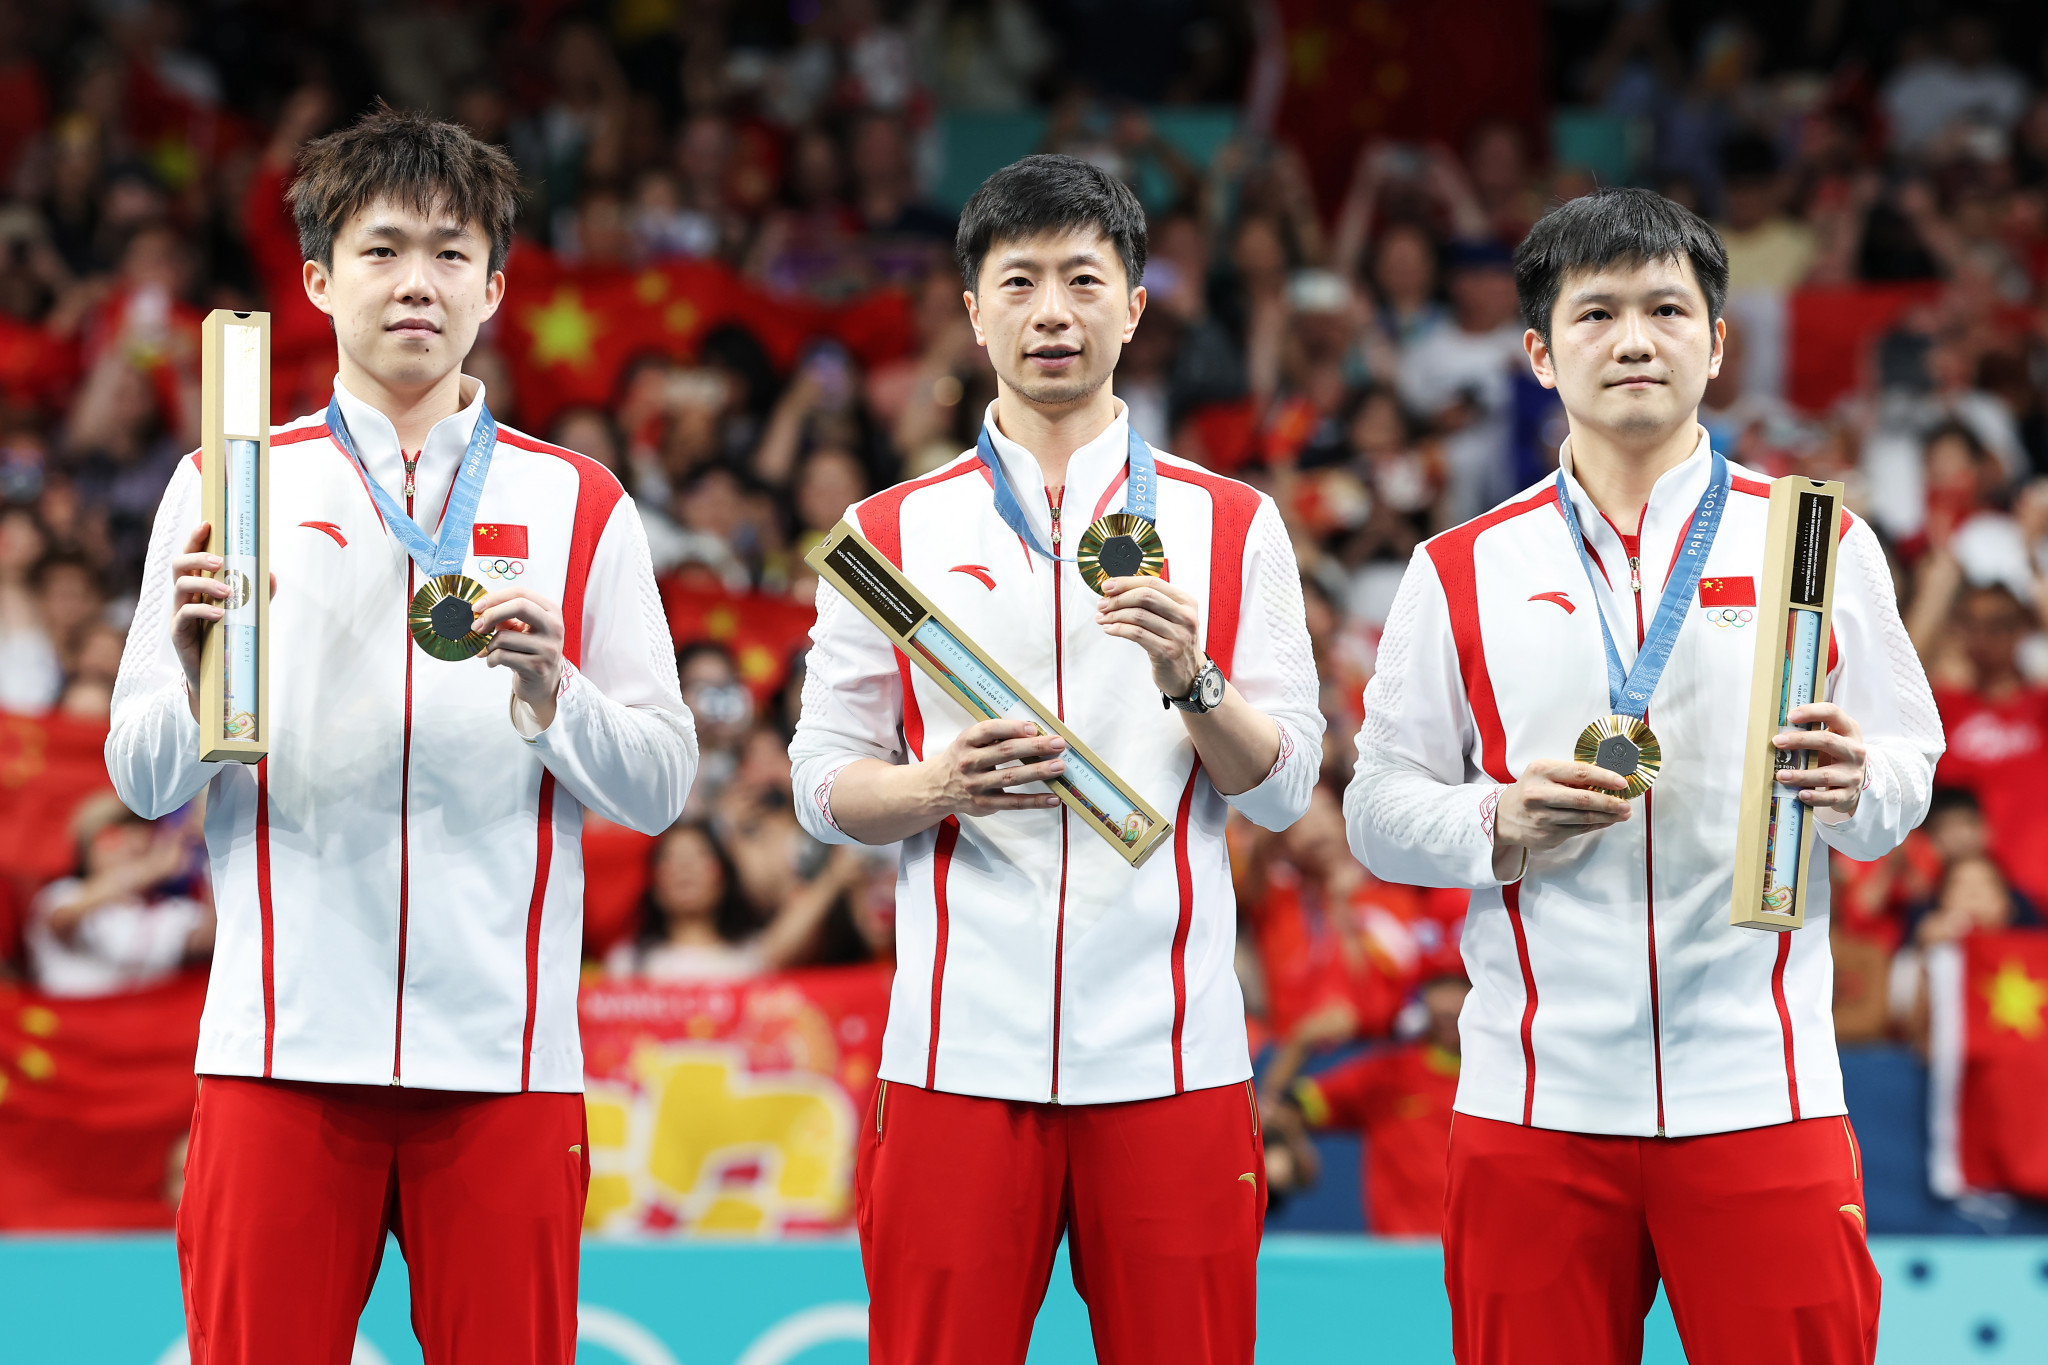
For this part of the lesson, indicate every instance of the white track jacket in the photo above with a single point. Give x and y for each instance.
(1610, 993)
(400, 884)
(1032, 962)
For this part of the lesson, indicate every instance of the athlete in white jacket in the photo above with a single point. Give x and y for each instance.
(1647, 1090)
(1066, 1042)
(390, 1035)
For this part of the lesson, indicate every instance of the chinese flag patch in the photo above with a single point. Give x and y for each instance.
(503, 540)
(1714, 592)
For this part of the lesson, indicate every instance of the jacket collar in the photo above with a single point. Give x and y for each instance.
(1672, 500)
(1091, 470)
(376, 441)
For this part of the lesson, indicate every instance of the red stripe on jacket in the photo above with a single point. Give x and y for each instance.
(597, 496)
(942, 867)
(1511, 894)
(263, 909)
(1452, 554)
(1186, 877)
(1232, 507)
(1785, 1021)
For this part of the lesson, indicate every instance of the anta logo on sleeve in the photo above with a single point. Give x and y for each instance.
(500, 549)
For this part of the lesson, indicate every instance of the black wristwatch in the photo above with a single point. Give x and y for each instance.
(1207, 693)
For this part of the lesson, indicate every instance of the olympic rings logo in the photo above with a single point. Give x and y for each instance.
(502, 568)
(1731, 616)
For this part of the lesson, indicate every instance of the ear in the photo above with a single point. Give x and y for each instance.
(317, 281)
(1137, 310)
(1539, 358)
(494, 294)
(1720, 347)
(974, 316)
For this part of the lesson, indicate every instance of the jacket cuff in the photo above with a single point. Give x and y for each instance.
(1488, 815)
(527, 722)
(1278, 800)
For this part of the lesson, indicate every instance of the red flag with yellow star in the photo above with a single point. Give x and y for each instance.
(1988, 1042)
(95, 1099)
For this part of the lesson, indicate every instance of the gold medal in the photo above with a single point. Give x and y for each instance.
(1625, 747)
(443, 617)
(1120, 545)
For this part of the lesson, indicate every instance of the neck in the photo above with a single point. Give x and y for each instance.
(1618, 476)
(1053, 432)
(691, 933)
(413, 410)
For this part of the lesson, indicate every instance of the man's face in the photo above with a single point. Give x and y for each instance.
(1631, 348)
(407, 292)
(1054, 312)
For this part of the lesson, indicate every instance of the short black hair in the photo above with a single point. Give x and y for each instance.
(1617, 225)
(418, 161)
(1050, 193)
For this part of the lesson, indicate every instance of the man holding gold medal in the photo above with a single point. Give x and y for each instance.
(1558, 723)
(1066, 1046)
(390, 1037)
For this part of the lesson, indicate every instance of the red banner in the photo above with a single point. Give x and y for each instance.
(1988, 1017)
(729, 1108)
(726, 1108)
(95, 1098)
(1831, 331)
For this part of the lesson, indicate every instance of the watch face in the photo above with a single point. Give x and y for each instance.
(1209, 687)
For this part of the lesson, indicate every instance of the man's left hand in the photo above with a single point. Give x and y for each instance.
(1838, 782)
(1164, 619)
(526, 637)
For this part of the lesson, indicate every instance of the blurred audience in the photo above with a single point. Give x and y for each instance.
(135, 913)
(733, 288)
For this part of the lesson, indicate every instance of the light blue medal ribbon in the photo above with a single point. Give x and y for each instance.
(1629, 691)
(1622, 741)
(444, 555)
(1141, 492)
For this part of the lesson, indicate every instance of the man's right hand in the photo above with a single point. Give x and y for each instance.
(198, 603)
(1555, 800)
(967, 776)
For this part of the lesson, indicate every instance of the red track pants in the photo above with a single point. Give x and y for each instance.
(1554, 1244)
(962, 1202)
(290, 1188)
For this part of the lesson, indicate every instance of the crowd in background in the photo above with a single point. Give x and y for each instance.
(1358, 357)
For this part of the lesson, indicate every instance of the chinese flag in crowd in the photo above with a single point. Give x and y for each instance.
(570, 331)
(614, 880)
(763, 630)
(48, 764)
(1988, 1002)
(95, 1096)
(1364, 69)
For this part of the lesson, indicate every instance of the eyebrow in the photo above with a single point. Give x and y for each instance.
(1035, 263)
(446, 232)
(1668, 291)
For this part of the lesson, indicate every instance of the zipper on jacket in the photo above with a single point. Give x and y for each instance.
(1633, 545)
(404, 796)
(1053, 497)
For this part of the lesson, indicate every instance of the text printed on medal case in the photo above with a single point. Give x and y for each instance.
(929, 639)
(234, 467)
(1795, 612)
